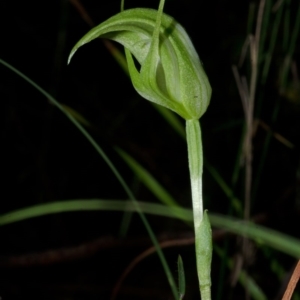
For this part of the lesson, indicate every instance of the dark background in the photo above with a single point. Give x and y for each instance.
(45, 158)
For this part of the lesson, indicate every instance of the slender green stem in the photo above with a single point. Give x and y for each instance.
(203, 238)
(195, 154)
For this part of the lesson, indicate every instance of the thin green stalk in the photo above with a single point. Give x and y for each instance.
(203, 237)
(195, 155)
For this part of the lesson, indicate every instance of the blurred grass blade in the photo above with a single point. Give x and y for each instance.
(264, 29)
(235, 202)
(290, 52)
(269, 54)
(286, 26)
(283, 76)
(251, 17)
(259, 234)
(147, 179)
(181, 278)
(117, 55)
(172, 119)
(295, 33)
(76, 115)
(93, 205)
(245, 280)
(111, 166)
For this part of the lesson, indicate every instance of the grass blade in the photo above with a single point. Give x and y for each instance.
(259, 234)
(181, 278)
(147, 179)
(254, 290)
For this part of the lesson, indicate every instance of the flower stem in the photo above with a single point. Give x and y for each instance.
(203, 238)
(193, 136)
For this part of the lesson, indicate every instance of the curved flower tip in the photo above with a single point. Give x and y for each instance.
(170, 73)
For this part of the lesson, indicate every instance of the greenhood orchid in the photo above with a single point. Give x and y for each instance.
(170, 74)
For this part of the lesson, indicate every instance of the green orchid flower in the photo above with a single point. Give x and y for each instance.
(171, 73)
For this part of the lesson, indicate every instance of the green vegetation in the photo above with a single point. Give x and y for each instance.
(241, 148)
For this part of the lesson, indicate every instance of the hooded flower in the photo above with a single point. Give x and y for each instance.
(170, 72)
